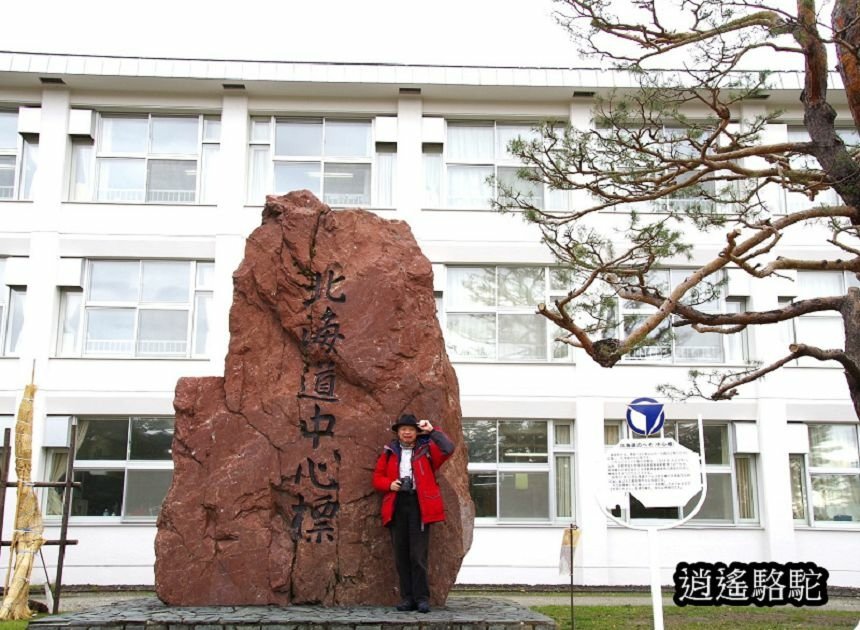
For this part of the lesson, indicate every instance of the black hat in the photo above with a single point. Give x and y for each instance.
(406, 420)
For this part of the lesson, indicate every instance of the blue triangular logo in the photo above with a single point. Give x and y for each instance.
(645, 416)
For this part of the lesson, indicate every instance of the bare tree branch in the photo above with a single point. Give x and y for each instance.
(682, 159)
(728, 388)
(803, 350)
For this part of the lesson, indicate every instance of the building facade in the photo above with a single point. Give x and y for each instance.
(128, 188)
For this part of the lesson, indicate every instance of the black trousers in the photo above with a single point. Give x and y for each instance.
(411, 542)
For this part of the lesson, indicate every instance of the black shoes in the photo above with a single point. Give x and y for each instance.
(422, 606)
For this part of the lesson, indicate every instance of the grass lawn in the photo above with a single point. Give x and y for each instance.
(712, 618)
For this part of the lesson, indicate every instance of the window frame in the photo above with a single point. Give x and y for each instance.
(9, 337)
(809, 471)
(84, 305)
(499, 161)
(684, 200)
(551, 292)
(550, 467)
(10, 295)
(90, 165)
(729, 344)
(730, 468)
(125, 466)
(794, 202)
(669, 203)
(266, 147)
(25, 151)
(790, 328)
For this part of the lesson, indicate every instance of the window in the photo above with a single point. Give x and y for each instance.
(682, 344)
(138, 308)
(12, 301)
(731, 495)
(147, 159)
(490, 313)
(824, 329)
(521, 470)
(799, 499)
(433, 167)
(19, 154)
(660, 149)
(678, 145)
(337, 160)
(124, 466)
(475, 154)
(794, 202)
(830, 492)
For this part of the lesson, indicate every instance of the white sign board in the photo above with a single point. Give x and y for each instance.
(658, 472)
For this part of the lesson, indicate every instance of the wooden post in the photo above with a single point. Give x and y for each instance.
(4, 473)
(67, 507)
(67, 486)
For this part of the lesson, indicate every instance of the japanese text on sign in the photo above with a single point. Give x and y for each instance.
(658, 472)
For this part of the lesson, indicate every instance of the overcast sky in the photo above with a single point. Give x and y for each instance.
(472, 32)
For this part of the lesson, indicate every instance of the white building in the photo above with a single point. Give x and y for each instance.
(128, 187)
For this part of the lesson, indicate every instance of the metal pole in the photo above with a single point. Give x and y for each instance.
(572, 618)
(656, 595)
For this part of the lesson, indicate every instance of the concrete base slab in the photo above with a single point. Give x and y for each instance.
(460, 613)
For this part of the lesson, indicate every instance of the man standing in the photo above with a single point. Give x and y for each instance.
(406, 474)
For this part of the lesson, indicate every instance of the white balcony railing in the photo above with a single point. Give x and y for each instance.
(109, 346)
(170, 196)
(681, 205)
(346, 199)
(699, 354)
(663, 352)
(157, 347)
(126, 347)
(151, 196)
(121, 194)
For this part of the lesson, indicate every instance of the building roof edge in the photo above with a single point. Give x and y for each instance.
(57, 64)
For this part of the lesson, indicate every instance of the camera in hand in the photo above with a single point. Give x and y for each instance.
(406, 484)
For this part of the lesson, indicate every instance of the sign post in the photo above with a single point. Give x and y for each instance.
(659, 472)
(565, 561)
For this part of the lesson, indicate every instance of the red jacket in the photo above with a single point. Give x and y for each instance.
(429, 454)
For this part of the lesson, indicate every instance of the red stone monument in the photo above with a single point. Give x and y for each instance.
(333, 334)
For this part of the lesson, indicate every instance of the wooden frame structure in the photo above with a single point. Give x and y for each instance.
(63, 541)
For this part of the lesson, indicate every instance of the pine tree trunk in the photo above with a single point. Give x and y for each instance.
(851, 323)
(819, 117)
(846, 21)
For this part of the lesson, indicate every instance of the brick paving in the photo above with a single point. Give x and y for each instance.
(460, 613)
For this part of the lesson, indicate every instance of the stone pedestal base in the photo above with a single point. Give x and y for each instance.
(460, 613)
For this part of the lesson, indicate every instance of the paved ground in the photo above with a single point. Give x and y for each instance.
(77, 601)
(463, 613)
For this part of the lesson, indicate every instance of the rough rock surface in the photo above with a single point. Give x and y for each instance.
(333, 335)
